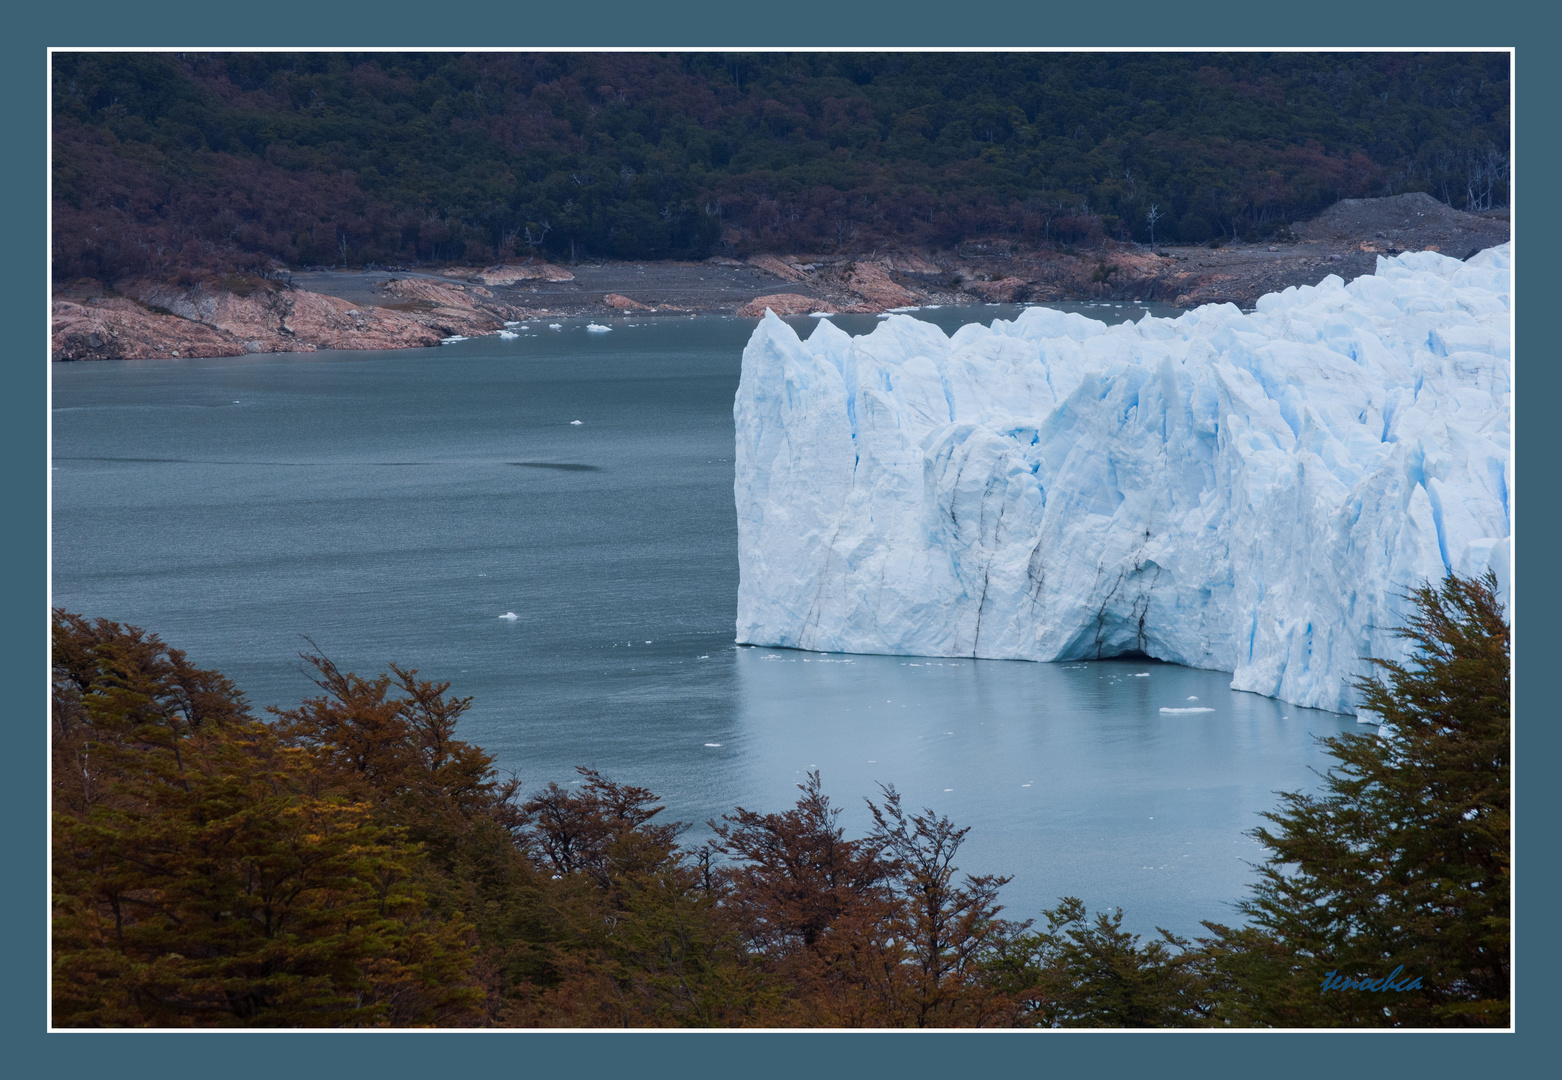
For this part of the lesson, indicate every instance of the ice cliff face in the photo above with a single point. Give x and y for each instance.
(1245, 492)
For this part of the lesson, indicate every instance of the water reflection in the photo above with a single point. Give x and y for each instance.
(1069, 775)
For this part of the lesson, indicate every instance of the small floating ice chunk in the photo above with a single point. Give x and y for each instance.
(1141, 674)
(508, 335)
(820, 314)
(1196, 708)
(513, 323)
(555, 326)
(509, 616)
(598, 328)
(574, 423)
(1193, 697)
(452, 339)
(713, 744)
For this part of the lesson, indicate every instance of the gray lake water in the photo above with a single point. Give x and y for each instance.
(392, 505)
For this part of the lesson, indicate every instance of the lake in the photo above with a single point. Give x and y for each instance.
(391, 506)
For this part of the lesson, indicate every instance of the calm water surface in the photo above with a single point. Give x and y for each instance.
(392, 505)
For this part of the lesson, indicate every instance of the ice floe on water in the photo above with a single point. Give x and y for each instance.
(452, 339)
(1193, 709)
(508, 335)
(1249, 492)
(509, 616)
(598, 328)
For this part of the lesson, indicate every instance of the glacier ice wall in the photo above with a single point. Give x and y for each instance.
(1244, 492)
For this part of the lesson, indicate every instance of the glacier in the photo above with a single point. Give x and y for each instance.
(1250, 492)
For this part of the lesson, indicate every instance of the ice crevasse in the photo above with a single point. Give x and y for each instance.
(1247, 492)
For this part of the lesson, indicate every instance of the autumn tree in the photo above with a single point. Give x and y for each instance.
(631, 930)
(202, 876)
(949, 931)
(818, 907)
(793, 875)
(389, 741)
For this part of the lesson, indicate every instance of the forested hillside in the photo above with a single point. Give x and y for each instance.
(238, 161)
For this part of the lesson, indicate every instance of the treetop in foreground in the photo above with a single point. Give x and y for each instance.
(355, 864)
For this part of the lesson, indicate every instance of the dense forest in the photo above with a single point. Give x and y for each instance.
(351, 862)
(247, 161)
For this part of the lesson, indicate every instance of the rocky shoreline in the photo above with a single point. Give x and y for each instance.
(308, 311)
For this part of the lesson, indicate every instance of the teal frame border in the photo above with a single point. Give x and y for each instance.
(610, 24)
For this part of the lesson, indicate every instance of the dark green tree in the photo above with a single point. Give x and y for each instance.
(1401, 862)
(1092, 973)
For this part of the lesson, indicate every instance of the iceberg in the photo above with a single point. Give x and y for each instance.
(1251, 492)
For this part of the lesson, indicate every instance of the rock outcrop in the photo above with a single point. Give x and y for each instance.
(876, 290)
(509, 274)
(1009, 290)
(115, 328)
(157, 319)
(909, 264)
(272, 319)
(782, 269)
(782, 304)
(448, 308)
(619, 302)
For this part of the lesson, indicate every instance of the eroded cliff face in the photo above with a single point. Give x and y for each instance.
(152, 319)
